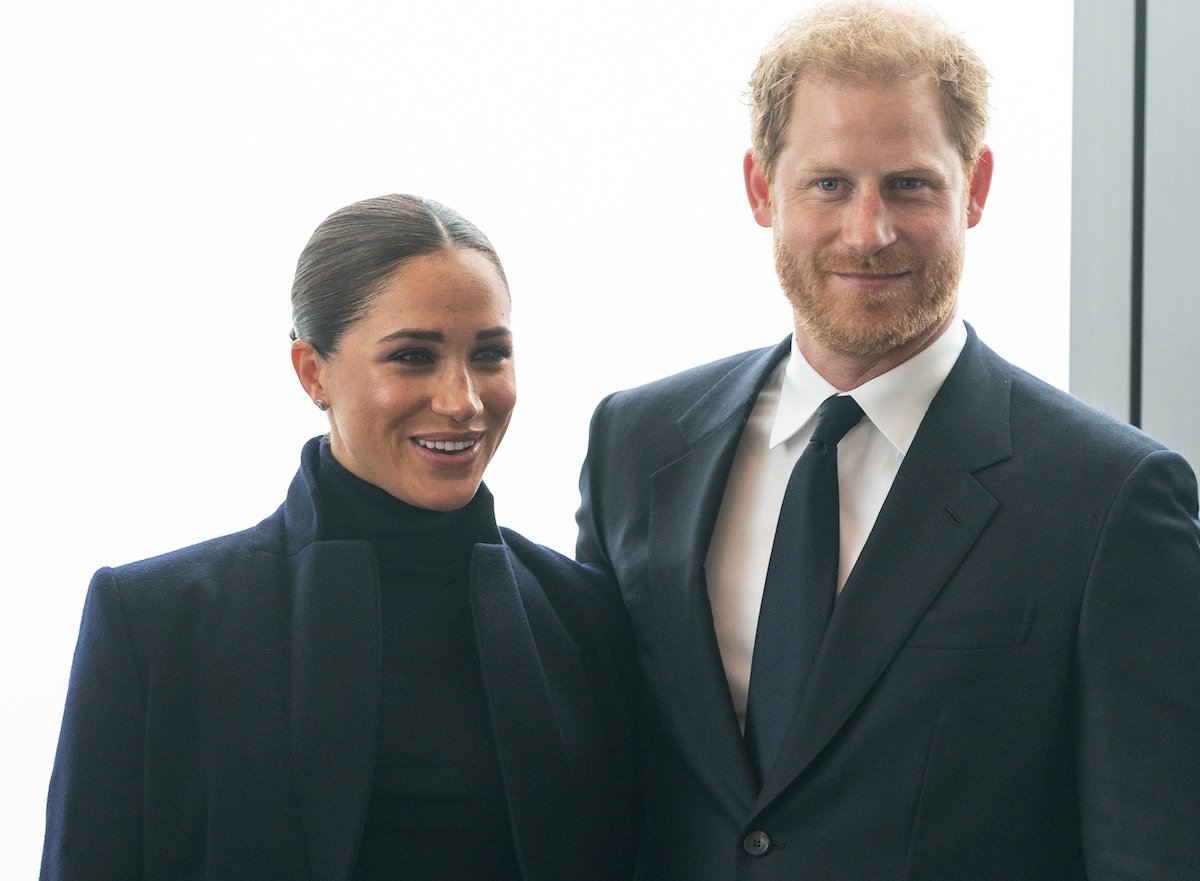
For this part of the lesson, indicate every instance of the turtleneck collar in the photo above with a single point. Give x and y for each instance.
(403, 535)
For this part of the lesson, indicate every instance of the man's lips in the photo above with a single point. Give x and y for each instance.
(870, 280)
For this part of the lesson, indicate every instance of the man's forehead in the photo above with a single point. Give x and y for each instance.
(857, 106)
(847, 78)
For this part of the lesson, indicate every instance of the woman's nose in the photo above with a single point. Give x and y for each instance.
(457, 397)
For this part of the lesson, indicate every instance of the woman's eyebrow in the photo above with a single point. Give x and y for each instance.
(432, 336)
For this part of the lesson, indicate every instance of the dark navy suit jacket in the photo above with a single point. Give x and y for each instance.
(1009, 687)
(222, 713)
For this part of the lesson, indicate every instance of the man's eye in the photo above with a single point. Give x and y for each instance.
(908, 183)
(828, 184)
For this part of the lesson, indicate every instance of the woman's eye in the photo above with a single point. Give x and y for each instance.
(412, 356)
(494, 354)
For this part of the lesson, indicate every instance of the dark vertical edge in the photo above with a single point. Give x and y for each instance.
(1137, 249)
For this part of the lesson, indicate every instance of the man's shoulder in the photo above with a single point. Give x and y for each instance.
(990, 412)
(1042, 407)
(681, 390)
(1037, 412)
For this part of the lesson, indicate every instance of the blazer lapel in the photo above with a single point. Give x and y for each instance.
(685, 497)
(933, 515)
(529, 739)
(334, 697)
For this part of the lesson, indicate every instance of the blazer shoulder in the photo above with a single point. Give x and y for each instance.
(205, 587)
(587, 585)
(587, 604)
(1045, 414)
(677, 392)
(1038, 419)
(583, 595)
(214, 557)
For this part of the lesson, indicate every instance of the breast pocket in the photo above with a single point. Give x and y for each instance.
(973, 629)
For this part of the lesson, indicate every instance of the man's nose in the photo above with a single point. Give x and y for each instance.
(868, 226)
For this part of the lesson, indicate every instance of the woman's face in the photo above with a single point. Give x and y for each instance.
(421, 388)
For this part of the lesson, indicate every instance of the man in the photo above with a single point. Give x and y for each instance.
(1007, 684)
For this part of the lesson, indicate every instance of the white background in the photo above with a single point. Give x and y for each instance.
(162, 165)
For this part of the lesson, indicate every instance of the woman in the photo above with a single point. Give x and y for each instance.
(376, 681)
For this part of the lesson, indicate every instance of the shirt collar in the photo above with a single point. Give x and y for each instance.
(895, 401)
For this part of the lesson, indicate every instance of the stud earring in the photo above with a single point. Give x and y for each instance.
(321, 405)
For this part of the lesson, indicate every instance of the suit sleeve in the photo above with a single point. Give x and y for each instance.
(590, 544)
(94, 808)
(1139, 672)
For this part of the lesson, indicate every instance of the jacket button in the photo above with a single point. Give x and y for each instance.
(756, 844)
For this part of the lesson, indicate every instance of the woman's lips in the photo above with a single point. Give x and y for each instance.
(449, 446)
(447, 449)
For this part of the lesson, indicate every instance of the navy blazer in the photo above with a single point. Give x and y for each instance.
(1009, 687)
(222, 713)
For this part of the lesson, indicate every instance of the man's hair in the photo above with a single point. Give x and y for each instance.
(861, 40)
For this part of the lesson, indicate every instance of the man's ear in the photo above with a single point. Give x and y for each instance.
(981, 183)
(758, 190)
(309, 366)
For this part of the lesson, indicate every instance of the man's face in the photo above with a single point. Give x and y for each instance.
(870, 204)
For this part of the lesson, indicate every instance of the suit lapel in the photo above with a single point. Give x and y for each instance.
(933, 514)
(685, 497)
(334, 697)
(529, 739)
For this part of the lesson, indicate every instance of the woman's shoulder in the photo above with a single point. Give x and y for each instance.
(176, 608)
(581, 593)
(200, 581)
(214, 556)
(545, 560)
(588, 605)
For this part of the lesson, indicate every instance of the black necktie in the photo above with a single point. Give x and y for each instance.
(800, 587)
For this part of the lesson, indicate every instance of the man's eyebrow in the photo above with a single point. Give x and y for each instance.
(919, 170)
(922, 169)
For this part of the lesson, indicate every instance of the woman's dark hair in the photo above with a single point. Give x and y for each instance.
(354, 249)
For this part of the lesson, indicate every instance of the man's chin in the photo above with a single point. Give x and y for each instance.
(866, 340)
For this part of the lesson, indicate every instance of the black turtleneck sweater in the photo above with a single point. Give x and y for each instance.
(437, 809)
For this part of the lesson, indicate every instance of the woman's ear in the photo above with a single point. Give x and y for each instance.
(310, 368)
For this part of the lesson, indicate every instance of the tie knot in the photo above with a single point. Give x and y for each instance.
(836, 415)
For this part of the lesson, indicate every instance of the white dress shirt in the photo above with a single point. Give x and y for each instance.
(777, 432)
